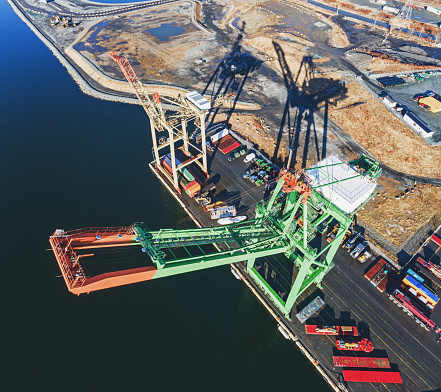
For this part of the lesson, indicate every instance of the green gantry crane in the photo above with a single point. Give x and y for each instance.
(302, 200)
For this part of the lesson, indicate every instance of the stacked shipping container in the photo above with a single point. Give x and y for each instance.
(227, 144)
(185, 178)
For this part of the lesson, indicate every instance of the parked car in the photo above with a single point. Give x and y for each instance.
(351, 242)
(242, 151)
(365, 256)
(358, 249)
(322, 227)
(250, 158)
(209, 146)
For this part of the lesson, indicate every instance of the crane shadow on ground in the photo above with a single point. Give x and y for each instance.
(229, 77)
(305, 95)
(229, 197)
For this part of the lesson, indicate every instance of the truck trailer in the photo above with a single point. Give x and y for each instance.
(381, 275)
(390, 277)
(375, 269)
(404, 301)
(331, 330)
(363, 362)
(363, 345)
(372, 376)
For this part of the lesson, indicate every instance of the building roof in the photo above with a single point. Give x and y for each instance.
(412, 116)
(432, 102)
(348, 191)
(389, 81)
(389, 99)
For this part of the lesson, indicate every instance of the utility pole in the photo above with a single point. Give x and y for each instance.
(403, 20)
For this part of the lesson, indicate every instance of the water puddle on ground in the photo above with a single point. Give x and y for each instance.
(165, 31)
(92, 41)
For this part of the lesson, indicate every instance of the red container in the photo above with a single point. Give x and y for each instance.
(375, 269)
(361, 362)
(226, 141)
(334, 330)
(167, 167)
(192, 188)
(227, 144)
(231, 148)
(436, 239)
(372, 376)
(390, 277)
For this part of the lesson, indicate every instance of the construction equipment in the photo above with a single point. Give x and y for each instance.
(173, 120)
(365, 256)
(316, 196)
(332, 234)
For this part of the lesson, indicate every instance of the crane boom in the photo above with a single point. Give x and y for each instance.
(286, 224)
(152, 108)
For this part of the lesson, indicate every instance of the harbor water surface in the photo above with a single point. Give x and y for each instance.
(68, 160)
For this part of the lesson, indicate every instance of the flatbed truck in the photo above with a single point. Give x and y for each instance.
(434, 269)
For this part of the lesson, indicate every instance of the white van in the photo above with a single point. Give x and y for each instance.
(249, 157)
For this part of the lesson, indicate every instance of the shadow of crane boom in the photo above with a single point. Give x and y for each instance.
(232, 72)
(303, 99)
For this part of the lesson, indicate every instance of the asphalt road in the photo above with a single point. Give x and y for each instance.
(350, 299)
(369, 20)
(96, 14)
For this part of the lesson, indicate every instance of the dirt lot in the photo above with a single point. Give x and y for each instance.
(387, 138)
(380, 66)
(252, 128)
(160, 40)
(398, 219)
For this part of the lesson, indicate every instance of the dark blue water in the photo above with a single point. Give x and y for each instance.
(68, 160)
(165, 31)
